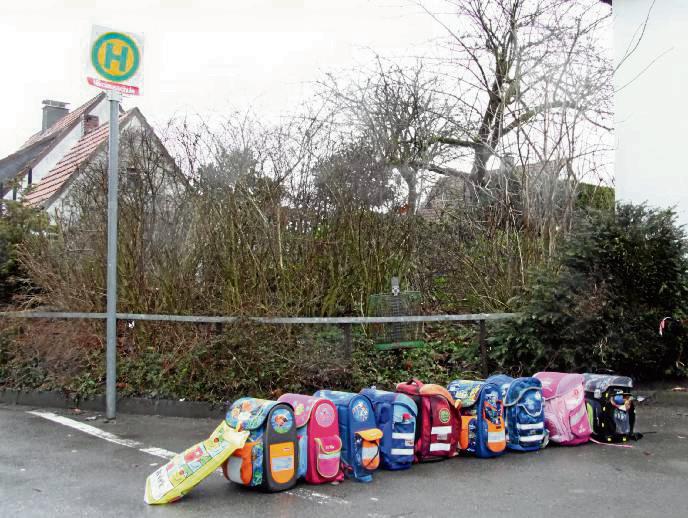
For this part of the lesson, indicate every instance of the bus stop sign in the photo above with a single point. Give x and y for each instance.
(114, 61)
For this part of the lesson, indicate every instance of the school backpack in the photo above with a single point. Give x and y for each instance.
(270, 455)
(395, 415)
(611, 407)
(566, 417)
(482, 420)
(317, 430)
(524, 414)
(360, 436)
(438, 423)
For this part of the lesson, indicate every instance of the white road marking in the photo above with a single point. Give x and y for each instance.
(314, 496)
(102, 434)
(300, 492)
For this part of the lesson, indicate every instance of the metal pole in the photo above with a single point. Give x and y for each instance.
(111, 328)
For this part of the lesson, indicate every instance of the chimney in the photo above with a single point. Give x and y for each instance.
(53, 111)
(91, 122)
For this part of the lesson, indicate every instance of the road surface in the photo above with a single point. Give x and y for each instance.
(50, 466)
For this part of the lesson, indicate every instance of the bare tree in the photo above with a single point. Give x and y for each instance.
(400, 112)
(517, 69)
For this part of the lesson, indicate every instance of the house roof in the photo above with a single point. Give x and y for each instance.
(455, 185)
(52, 184)
(65, 122)
(39, 144)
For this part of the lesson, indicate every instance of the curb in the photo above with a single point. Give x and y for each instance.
(126, 405)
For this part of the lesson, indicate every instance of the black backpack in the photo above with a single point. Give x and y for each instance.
(611, 407)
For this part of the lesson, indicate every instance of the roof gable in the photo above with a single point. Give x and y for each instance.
(65, 122)
(43, 192)
(40, 144)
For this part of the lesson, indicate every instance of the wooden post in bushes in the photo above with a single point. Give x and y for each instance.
(348, 343)
(482, 337)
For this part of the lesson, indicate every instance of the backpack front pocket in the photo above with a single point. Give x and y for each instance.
(403, 439)
(442, 430)
(282, 462)
(328, 451)
(368, 444)
(580, 426)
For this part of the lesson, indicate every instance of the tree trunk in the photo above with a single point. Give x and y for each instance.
(408, 173)
(479, 170)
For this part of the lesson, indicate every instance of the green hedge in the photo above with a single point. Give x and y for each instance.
(599, 306)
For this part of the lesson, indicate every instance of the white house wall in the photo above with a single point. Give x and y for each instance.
(59, 205)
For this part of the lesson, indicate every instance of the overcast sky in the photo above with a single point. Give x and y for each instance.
(651, 110)
(200, 55)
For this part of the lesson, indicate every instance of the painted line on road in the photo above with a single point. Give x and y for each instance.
(102, 434)
(314, 496)
(300, 492)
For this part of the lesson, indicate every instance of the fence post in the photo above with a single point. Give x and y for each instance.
(348, 342)
(482, 337)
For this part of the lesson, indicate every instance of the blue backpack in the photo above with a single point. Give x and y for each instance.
(523, 412)
(396, 417)
(359, 433)
(482, 432)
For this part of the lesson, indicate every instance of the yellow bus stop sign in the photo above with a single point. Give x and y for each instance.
(115, 56)
(115, 59)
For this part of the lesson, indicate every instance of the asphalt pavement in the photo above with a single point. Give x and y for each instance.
(50, 467)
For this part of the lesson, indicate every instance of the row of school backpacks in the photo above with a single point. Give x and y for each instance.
(333, 434)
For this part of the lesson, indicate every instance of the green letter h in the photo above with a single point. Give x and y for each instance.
(121, 58)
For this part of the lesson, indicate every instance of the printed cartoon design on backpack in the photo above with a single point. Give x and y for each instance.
(395, 415)
(566, 417)
(269, 458)
(611, 407)
(524, 415)
(482, 427)
(438, 423)
(317, 429)
(360, 454)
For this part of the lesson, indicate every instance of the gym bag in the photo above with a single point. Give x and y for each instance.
(269, 458)
(524, 414)
(360, 437)
(317, 430)
(395, 415)
(438, 423)
(566, 417)
(482, 421)
(611, 407)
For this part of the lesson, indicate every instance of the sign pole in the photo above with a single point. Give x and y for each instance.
(114, 65)
(114, 99)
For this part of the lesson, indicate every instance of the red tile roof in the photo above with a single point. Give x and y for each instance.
(52, 183)
(65, 122)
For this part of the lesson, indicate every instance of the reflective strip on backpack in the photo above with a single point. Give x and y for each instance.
(441, 430)
(401, 451)
(531, 438)
(496, 436)
(440, 446)
(370, 452)
(530, 426)
(404, 436)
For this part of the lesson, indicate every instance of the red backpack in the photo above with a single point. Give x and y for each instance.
(438, 424)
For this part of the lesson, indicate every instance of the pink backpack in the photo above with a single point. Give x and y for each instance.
(317, 429)
(566, 416)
